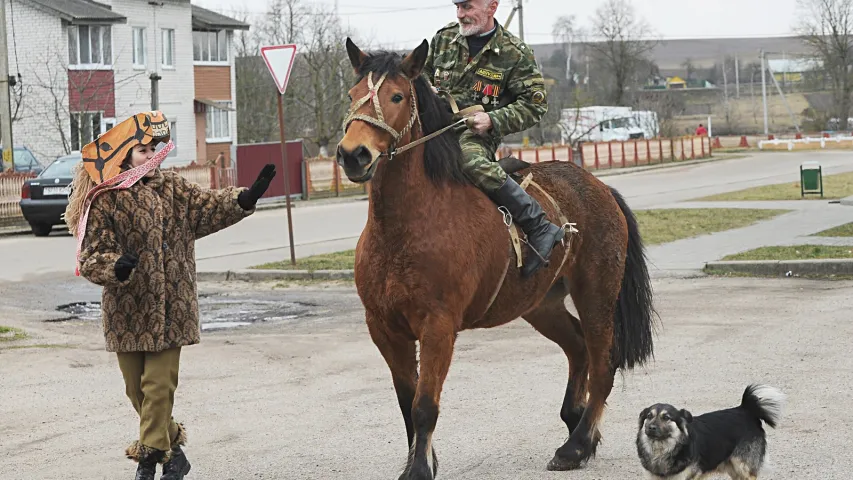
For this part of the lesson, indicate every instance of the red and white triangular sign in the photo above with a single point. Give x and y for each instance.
(279, 60)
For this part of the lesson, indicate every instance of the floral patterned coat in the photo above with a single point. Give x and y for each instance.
(158, 219)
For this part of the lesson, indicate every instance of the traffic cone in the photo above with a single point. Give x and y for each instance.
(771, 137)
(743, 142)
(799, 136)
(717, 143)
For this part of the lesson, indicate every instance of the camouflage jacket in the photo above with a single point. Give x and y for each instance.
(503, 77)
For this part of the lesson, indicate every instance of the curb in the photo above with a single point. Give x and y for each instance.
(660, 166)
(847, 201)
(248, 275)
(783, 267)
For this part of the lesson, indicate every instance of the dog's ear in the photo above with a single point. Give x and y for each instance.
(643, 416)
(686, 416)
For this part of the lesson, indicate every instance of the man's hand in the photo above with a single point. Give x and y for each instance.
(479, 123)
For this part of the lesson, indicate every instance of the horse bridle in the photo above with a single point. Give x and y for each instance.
(379, 120)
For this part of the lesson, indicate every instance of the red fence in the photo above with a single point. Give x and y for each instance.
(631, 153)
(251, 159)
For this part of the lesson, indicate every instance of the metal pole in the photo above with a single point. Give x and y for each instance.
(286, 176)
(155, 91)
(5, 99)
(764, 92)
(520, 20)
(737, 76)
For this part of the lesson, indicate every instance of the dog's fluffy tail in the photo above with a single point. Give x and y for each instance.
(765, 402)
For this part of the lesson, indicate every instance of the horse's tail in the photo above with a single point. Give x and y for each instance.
(634, 320)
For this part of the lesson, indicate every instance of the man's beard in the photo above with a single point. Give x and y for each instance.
(466, 30)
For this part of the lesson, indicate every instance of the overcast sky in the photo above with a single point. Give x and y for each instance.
(384, 23)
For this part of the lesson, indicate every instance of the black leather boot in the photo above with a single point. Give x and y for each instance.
(177, 466)
(147, 459)
(542, 235)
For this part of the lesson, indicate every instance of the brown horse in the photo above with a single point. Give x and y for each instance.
(435, 259)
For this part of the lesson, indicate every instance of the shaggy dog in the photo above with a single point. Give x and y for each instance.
(674, 445)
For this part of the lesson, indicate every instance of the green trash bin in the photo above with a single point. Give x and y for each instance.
(811, 179)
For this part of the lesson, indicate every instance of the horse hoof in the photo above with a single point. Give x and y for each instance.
(559, 464)
(570, 457)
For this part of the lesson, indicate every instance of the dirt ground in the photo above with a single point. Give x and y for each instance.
(307, 396)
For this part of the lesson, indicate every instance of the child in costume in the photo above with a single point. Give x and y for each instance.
(136, 227)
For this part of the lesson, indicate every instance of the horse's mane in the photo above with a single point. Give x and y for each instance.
(442, 154)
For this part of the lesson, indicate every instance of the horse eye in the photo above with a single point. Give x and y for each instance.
(350, 97)
(397, 98)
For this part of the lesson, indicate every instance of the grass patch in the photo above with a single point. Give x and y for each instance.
(809, 276)
(794, 252)
(669, 225)
(328, 261)
(10, 334)
(834, 187)
(845, 230)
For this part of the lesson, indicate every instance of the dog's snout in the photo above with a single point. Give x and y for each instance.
(355, 159)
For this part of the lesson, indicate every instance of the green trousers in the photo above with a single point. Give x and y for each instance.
(478, 161)
(150, 381)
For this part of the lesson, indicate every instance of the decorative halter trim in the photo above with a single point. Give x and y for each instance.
(379, 120)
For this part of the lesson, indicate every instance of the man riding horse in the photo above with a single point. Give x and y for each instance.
(478, 62)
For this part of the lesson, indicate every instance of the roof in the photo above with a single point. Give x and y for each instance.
(204, 19)
(77, 12)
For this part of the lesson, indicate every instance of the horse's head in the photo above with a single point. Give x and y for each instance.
(383, 109)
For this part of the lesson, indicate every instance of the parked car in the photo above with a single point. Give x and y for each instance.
(24, 161)
(44, 198)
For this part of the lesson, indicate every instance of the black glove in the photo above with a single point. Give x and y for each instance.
(248, 198)
(125, 265)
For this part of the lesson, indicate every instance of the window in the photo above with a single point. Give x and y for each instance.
(85, 127)
(211, 46)
(167, 56)
(139, 47)
(173, 136)
(218, 124)
(89, 46)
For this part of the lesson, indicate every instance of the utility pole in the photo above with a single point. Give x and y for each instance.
(5, 99)
(155, 75)
(520, 20)
(764, 92)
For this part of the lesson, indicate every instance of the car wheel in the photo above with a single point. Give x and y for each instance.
(41, 229)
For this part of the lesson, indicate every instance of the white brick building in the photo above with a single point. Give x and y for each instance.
(85, 65)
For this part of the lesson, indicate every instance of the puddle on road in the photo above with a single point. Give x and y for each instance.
(217, 313)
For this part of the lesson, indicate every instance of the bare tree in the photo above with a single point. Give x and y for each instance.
(564, 31)
(620, 42)
(826, 26)
(315, 102)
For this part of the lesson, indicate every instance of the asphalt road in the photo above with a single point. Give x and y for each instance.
(311, 398)
(263, 237)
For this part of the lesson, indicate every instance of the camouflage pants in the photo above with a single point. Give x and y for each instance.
(478, 161)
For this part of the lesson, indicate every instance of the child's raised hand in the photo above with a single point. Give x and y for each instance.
(248, 198)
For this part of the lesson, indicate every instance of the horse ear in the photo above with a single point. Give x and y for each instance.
(414, 62)
(356, 56)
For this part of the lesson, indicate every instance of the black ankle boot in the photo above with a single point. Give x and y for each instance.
(542, 235)
(147, 459)
(177, 466)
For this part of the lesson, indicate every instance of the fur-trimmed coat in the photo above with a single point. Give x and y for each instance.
(158, 219)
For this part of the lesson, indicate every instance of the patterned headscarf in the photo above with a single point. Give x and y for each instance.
(103, 157)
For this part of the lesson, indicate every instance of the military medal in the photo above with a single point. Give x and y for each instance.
(487, 92)
(495, 94)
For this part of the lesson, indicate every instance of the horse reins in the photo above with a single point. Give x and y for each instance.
(379, 119)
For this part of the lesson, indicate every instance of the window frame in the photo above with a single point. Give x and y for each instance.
(212, 39)
(167, 33)
(133, 47)
(77, 138)
(210, 118)
(105, 48)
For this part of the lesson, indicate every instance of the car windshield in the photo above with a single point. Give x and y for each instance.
(61, 168)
